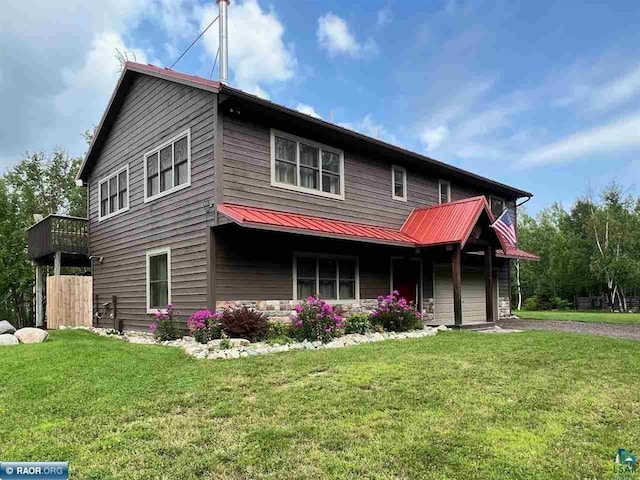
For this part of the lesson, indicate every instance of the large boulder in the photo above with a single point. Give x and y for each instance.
(6, 327)
(7, 339)
(31, 335)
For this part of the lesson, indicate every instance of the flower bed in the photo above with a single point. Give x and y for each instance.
(243, 348)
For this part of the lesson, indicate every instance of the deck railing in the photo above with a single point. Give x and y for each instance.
(58, 233)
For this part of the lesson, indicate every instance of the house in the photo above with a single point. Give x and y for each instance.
(201, 195)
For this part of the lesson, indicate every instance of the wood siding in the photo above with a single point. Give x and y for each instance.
(247, 180)
(153, 111)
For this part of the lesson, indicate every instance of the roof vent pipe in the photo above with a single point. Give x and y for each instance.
(224, 42)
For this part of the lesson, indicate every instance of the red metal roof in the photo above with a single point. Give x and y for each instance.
(446, 223)
(167, 72)
(283, 221)
(513, 252)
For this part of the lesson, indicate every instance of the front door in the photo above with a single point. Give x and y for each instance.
(406, 279)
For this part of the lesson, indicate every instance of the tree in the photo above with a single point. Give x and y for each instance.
(39, 184)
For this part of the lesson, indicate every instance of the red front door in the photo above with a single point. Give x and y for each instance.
(406, 279)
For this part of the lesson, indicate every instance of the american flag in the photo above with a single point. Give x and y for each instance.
(504, 225)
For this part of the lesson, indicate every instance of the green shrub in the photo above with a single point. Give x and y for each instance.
(279, 329)
(395, 314)
(357, 323)
(531, 304)
(164, 328)
(244, 323)
(281, 340)
(225, 342)
(558, 303)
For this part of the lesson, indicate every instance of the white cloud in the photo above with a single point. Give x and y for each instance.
(384, 17)
(258, 55)
(308, 110)
(604, 139)
(88, 87)
(433, 137)
(335, 36)
(56, 70)
(617, 91)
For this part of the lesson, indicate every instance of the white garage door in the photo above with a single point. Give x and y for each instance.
(473, 297)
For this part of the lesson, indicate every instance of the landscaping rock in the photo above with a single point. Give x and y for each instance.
(442, 328)
(6, 327)
(239, 342)
(6, 339)
(31, 335)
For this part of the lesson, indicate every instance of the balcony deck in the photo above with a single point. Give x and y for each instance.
(59, 233)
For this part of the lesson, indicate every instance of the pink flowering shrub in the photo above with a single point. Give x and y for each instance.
(316, 319)
(164, 327)
(395, 314)
(204, 326)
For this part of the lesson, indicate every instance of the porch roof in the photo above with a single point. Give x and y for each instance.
(449, 223)
(297, 223)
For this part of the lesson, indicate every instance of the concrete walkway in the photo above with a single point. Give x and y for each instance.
(604, 329)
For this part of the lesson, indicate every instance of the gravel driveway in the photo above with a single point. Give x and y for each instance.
(605, 329)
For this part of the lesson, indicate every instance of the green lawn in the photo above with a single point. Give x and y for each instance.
(592, 317)
(459, 405)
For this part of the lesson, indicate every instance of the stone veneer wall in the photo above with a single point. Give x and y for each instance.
(279, 310)
(504, 307)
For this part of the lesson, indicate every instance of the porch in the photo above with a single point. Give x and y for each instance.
(446, 260)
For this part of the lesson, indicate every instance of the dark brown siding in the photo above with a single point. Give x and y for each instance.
(247, 181)
(257, 265)
(154, 111)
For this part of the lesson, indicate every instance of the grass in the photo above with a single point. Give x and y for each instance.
(460, 405)
(591, 317)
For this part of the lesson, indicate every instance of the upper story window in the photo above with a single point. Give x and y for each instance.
(331, 277)
(399, 183)
(306, 166)
(444, 191)
(167, 168)
(113, 194)
(497, 206)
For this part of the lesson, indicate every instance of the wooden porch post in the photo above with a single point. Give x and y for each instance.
(39, 295)
(456, 275)
(57, 264)
(488, 273)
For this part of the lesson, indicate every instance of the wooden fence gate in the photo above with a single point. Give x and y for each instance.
(69, 301)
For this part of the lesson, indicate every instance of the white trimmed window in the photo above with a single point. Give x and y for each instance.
(333, 278)
(497, 206)
(305, 166)
(399, 183)
(113, 194)
(158, 279)
(167, 168)
(444, 191)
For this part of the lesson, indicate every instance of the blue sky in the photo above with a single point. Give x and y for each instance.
(544, 96)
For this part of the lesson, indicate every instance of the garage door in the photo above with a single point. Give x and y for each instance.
(473, 297)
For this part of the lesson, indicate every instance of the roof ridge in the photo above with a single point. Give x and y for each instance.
(457, 202)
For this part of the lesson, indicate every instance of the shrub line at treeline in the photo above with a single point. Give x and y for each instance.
(242, 332)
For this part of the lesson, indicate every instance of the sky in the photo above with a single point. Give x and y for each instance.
(544, 96)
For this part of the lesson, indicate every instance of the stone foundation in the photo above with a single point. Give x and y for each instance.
(427, 310)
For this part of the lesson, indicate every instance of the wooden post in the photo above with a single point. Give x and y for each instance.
(211, 269)
(57, 264)
(488, 275)
(456, 275)
(39, 295)
(114, 307)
